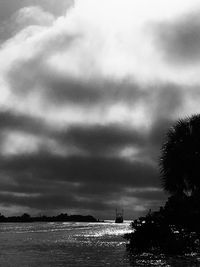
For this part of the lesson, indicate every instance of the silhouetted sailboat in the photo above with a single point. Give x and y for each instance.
(119, 217)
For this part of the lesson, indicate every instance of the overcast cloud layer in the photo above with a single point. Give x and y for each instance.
(88, 91)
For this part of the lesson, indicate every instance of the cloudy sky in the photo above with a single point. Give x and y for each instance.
(88, 89)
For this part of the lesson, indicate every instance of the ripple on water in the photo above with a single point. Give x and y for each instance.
(75, 245)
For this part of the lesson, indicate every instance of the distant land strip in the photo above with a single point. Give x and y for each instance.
(59, 218)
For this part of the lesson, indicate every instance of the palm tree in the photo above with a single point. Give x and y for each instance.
(180, 159)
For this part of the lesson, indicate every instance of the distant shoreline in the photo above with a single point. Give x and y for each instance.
(26, 218)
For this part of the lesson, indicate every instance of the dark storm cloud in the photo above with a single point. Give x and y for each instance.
(151, 150)
(54, 88)
(62, 89)
(50, 183)
(93, 139)
(11, 121)
(166, 104)
(34, 75)
(81, 169)
(69, 194)
(102, 138)
(95, 175)
(157, 136)
(168, 99)
(87, 181)
(84, 182)
(27, 76)
(51, 202)
(179, 40)
(73, 182)
(154, 195)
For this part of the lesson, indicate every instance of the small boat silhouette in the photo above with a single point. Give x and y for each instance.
(119, 217)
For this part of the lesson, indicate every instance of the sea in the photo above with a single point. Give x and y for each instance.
(70, 244)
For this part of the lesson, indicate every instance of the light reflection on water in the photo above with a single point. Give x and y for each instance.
(76, 245)
(63, 244)
(147, 259)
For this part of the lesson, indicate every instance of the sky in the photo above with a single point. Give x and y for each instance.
(88, 90)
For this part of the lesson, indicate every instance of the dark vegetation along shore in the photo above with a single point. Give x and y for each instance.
(175, 228)
(59, 218)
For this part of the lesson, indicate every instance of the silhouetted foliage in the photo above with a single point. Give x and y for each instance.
(180, 160)
(159, 232)
(175, 229)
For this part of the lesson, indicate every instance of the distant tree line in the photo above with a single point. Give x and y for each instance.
(63, 217)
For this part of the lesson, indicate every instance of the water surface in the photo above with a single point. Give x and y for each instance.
(63, 244)
(76, 245)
